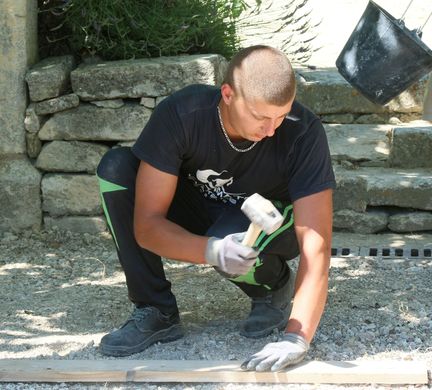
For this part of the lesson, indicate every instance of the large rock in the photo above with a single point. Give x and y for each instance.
(362, 223)
(384, 187)
(350, 193)
(89, 122)
(73, 156)
(67, 194)
(32, 121)
(50, 77)
(57, 104)
(34, 145)
(146, 77)
(18, 50)
(76, 224)
(327, 92)
(20, 202)
(359, 143)
(411, 147)
(410, 100)
(410, 222)
(395, 187)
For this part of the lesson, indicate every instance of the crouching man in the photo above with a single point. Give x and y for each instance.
(177, 194)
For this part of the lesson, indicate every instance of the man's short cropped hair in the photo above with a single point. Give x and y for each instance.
(263, 73)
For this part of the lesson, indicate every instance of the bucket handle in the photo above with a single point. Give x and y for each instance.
(420, 29)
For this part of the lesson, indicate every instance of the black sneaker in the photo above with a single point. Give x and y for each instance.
(146, 326)
(270, 312)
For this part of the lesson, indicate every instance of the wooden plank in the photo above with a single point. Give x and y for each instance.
(119, 370)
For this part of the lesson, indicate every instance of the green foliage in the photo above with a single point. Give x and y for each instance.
(123, 29)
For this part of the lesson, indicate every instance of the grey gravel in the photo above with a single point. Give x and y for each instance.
(61, 292)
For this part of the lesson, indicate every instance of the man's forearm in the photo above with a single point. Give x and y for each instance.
(310, 297)
(167, 239)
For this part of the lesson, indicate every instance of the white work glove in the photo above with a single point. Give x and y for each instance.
(276, 356)
(229, 255)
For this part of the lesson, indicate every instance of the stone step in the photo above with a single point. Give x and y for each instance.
(359, 188)
(376, 221)
(370, 200)
(364, 145)
(411, 146)
(405, 146)
(325, 91)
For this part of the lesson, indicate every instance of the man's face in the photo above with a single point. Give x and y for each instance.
(253, 119)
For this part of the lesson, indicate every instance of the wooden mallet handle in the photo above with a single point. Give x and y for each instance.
(251, 235)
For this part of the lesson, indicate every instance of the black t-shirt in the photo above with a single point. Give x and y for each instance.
(183, 137)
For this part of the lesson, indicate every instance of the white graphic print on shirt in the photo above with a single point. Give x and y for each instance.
(213, 185)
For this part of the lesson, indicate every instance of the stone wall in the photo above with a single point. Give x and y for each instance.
(78, 112)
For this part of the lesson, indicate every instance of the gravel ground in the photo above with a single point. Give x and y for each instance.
(61, 292)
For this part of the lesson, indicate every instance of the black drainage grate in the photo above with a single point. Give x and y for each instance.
(382, 252)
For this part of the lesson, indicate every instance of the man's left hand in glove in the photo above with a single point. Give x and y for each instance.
(276, 356)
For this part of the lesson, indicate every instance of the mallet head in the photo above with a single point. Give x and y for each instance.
(262, 213)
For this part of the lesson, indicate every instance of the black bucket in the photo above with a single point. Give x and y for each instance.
(382, 58)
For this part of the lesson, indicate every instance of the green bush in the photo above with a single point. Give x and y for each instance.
(124, 29)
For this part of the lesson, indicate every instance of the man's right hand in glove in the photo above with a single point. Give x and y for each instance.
(229, 255)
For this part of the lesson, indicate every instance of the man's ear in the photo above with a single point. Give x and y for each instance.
(227, 93)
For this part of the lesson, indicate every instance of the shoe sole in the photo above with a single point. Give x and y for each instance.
(264, 332)
(172, 333)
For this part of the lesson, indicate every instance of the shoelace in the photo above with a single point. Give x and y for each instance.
(268, 300)
(140, 313)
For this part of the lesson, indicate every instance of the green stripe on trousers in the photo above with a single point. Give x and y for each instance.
(249, 278)
(104, 187)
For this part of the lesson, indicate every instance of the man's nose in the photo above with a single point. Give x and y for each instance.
(269, 127)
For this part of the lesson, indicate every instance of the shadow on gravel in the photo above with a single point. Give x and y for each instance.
(376, 306)
(56, 286)
(60, 294)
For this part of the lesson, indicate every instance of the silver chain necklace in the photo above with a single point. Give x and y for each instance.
(228, 138)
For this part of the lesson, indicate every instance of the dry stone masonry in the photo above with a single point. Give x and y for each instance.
(77, 113)
(382, 155)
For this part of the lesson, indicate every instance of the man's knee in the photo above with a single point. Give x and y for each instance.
(116, 164)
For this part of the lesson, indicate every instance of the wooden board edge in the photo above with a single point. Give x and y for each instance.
(120, 370)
